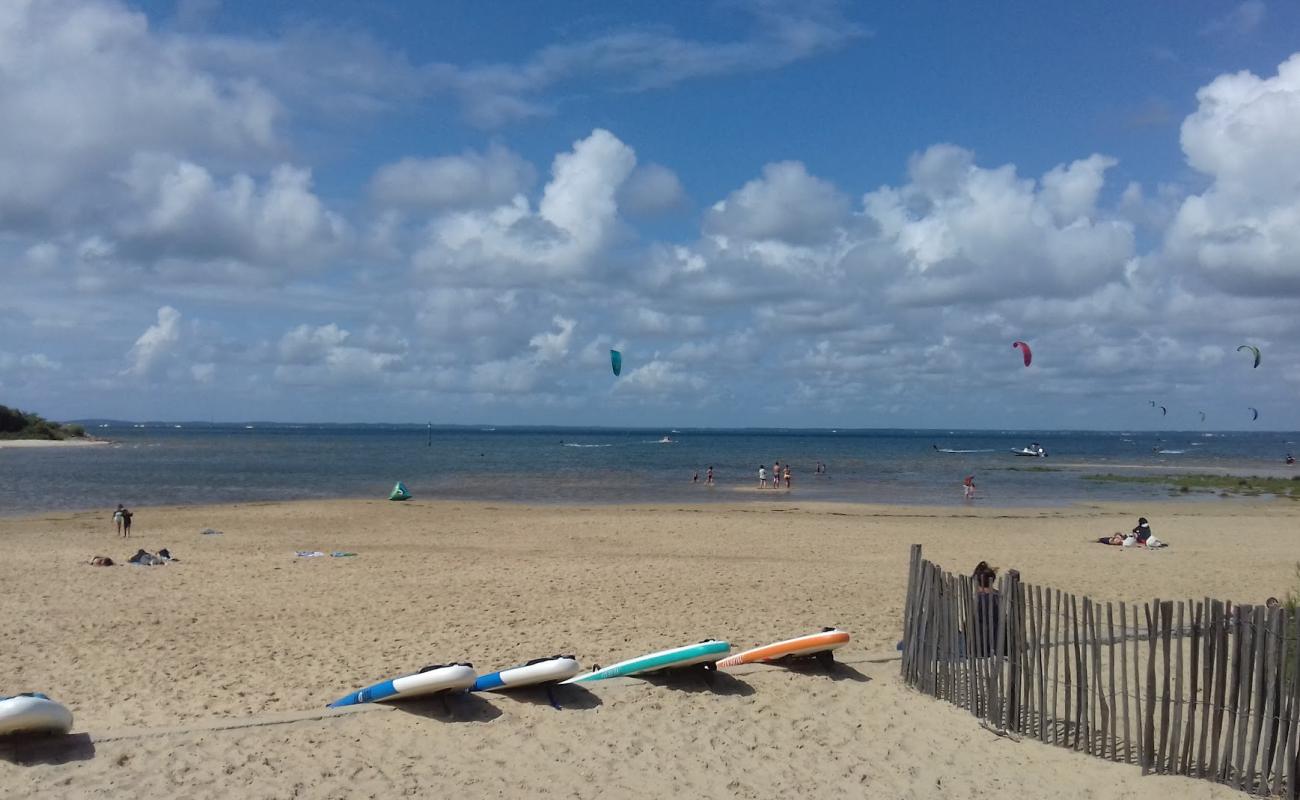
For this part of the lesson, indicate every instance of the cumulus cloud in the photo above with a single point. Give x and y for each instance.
(470, 180)
(652, 189)
(575, 219)
(323, 355)
(180, 210)
(786, 204)
(93, 85)
(1243, 232)
(156, 343)
(957, 232)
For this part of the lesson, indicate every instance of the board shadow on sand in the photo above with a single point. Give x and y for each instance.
(838, 671)
(460, 707)
(570, 696)
(48, 750)
(691, 679)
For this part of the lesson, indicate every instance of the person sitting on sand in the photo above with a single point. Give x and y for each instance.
(1142, 531)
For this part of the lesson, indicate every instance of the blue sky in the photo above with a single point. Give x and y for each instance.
(785, 214)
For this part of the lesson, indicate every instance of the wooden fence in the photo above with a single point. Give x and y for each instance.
(1200, 688)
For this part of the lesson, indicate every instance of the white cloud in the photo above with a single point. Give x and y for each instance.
(786, 204)
(961, 233)
(554, 345)
(575, 219)
(652, 189)
(1243, 232)
(469, 180)
(643, 59)
(156, 343)
(92, 85)
(181, 211)
(323, 356)
(659, 378)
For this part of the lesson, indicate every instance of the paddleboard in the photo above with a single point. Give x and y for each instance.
(810, 645)
(430, 680)
(33, 713)
(542, 670)
(705, 652)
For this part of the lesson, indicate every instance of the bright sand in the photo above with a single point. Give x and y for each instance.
(209, 677)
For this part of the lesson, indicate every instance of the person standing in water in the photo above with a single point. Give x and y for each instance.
(708, 476)
(787, 474)
(762, 476)
(968, 486)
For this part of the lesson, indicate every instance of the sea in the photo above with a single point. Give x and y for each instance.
(201, 463)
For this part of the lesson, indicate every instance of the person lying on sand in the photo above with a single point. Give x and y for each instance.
(101, 561)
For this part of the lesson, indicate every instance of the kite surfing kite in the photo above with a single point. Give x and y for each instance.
(1029, 356)
(616, 362)
(1163, 411)
(1252, 349)
(1254, 414)
(1202, 416)
(1152, 402)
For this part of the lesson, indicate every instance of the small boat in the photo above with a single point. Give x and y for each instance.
(1034, 450)
(666, 440)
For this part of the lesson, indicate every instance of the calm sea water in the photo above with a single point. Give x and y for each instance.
(161, 464)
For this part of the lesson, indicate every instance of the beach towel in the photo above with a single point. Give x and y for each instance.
(341, 554)
(209, 532)
(309, 554)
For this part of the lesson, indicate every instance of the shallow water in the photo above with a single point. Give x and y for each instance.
(199, 464)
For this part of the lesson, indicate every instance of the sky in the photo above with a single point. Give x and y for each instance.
(784, 214)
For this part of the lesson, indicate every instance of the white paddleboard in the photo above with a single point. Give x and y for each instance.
(543, 670)
(35, 714)
(430, 680)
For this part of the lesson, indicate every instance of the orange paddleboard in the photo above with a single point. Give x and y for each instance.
(809, 645)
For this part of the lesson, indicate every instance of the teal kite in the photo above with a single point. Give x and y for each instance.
(1252, 348)
(616, 362)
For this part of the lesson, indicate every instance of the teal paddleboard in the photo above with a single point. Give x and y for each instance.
(690, 655)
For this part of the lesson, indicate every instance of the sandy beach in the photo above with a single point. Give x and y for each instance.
(13, 444)
(209, 677)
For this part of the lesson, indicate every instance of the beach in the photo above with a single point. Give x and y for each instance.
(209, 677)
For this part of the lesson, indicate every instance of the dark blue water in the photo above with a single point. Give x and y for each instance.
(197, 464)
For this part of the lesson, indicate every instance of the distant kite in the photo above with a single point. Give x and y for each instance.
(1254, 412)
(1029, 356)
(1252, 348)
(1152, 402)
(1163, 411)
(616, 362)
(1202, 416)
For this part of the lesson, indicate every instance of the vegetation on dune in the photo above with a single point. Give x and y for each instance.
(1224, 485)
(15, 424)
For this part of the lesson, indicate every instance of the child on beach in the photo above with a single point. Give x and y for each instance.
(968, 486)
(117, 519)
(787, 475)
(708, 478)
(762, 476)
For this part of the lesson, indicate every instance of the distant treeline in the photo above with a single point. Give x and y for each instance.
(15, 424)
